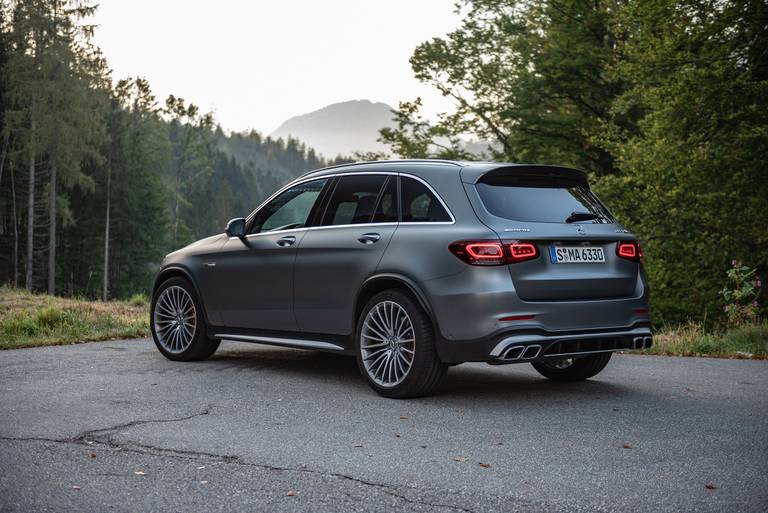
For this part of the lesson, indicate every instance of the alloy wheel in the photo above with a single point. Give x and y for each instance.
(175, 319)
(387, 343)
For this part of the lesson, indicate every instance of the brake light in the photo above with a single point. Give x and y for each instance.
(522, 251)
(629, 251)
(484, 250)
(480, 252)
(490, 252)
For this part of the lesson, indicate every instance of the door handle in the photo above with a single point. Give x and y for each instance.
(286, 241)
(369, 238)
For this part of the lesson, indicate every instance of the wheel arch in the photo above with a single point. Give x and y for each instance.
(380, 282)
(173, 271)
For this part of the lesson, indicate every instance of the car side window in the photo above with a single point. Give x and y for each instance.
(419, 204)
(353, 200)
(386, 208)
(291, 209)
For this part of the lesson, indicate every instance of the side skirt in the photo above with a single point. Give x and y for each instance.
(313, 341)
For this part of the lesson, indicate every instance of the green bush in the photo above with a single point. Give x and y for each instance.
(139, 300)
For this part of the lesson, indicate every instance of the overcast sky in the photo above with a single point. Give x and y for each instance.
(256, 63)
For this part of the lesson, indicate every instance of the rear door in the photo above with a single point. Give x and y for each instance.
(335, 257)
(574, 232)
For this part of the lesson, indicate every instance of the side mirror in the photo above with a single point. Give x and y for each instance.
(236, 227)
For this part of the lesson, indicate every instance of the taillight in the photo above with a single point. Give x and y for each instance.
(522, 251)
(629, 250)
(490, 252)
(479, 252)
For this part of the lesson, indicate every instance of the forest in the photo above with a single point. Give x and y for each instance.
(99, 179)
(663, 102)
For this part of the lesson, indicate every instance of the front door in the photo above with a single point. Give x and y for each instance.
(254, 275)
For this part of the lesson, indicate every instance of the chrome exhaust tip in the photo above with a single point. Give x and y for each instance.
(513, 353)
(531, 352)
(638, 342)
(647, 342)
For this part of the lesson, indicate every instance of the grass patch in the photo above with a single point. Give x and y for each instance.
(748, 341)
(28, 320)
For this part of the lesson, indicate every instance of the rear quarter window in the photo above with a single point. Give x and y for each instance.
(419, 204)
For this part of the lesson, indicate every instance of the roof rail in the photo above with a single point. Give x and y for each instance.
(395, 161)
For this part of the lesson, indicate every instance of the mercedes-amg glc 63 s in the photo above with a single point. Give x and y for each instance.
(414, 266)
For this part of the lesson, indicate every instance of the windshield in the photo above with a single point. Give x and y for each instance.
(543, 204)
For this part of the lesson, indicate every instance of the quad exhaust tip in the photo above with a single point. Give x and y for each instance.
(522, 352)
(532, 351)
(642, 342)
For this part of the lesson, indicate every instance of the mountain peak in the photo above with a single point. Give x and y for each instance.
(340, 128)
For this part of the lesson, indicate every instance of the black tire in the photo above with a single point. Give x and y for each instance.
(426, 372)
(581, 368)
(201, 347)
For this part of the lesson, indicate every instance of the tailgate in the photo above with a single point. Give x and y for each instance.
(574, 232)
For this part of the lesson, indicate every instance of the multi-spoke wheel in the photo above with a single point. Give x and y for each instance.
(177, 322)
(175, 319)
(388, 344)
(572, 369)
(396, 349)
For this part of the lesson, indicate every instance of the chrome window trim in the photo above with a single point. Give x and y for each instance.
(300, 180)
(276, 232)
(351, 225)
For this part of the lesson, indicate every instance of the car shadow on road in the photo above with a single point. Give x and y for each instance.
(514, 382)
(504, 383)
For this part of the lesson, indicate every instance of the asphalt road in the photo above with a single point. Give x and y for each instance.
(114, 426)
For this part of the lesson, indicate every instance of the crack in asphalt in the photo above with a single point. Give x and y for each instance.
(102, 437)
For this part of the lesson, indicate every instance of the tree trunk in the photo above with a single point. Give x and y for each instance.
(30, 218)
(176, 207)
(2, 158)
(52, 232)
(15, 231)
(105, 289)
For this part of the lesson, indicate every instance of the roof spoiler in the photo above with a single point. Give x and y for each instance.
(522, 175)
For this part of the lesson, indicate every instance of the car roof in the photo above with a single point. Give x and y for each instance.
(470, 171)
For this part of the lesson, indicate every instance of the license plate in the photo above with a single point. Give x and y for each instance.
(576, 255)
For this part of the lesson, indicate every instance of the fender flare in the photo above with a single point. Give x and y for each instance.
(414, 287)
(179, 270)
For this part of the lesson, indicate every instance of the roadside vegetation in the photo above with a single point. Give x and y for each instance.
(746, 341)
(661, 102)
(743, 334)
(28, 320)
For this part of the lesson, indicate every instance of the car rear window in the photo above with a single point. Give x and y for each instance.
(541, 204)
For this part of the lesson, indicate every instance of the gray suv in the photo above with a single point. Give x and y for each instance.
(413, 266)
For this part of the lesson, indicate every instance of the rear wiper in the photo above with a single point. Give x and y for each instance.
(581, 216)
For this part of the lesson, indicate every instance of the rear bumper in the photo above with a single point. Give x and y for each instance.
(474, 304)
(531, 345)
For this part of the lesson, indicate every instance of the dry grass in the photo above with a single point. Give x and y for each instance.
(747, 341)
(28, 320)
